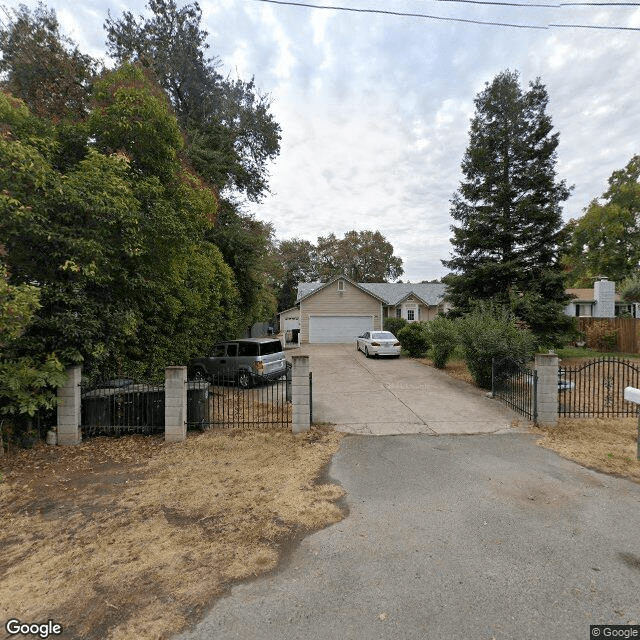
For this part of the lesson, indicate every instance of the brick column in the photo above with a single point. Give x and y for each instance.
(300, 394)
(547, 399)
(175, 404)
(69, 408)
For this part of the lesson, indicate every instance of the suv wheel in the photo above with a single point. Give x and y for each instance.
(198, 374)
(244, 379)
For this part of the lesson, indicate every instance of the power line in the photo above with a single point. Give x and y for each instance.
(470, 21)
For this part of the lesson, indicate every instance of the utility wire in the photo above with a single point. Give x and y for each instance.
(470, 21)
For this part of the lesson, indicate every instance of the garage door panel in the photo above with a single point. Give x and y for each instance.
(338, 328)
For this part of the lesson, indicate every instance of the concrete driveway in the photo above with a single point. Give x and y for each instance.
(477, 537)
(387, 396)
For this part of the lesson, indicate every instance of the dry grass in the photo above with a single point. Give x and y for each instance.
(455, 369)
(604, 444)
(132, 538)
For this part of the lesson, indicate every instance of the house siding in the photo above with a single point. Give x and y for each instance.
(331, 302)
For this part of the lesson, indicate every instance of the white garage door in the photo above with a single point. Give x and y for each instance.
(338, 328)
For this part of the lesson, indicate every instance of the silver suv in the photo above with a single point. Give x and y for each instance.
(244, 361)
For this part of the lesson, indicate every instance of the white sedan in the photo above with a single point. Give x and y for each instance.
(378, 343)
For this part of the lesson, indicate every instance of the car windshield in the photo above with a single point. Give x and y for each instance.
(267, 348)
(383, 335)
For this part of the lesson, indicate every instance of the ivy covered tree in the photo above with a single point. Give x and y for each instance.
(507, 210)
(117, 242)
(605, 241)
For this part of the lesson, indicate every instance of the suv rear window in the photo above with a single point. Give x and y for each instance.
(267, 348)
(248, 349)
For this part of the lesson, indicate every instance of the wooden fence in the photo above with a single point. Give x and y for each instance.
(626, 331)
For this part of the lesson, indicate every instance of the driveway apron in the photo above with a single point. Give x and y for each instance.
(385, 396)
(478, 537)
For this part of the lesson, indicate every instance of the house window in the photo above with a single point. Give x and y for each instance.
(398, 312)
(340, 285)
(410, 315)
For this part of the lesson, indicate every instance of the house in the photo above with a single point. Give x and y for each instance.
(600, 302)
(340, 310)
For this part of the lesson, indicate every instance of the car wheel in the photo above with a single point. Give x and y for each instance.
(366, 351)
(244, 380)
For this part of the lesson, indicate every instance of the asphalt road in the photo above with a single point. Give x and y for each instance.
(474, 537)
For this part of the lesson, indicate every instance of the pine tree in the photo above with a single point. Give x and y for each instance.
(508, 209)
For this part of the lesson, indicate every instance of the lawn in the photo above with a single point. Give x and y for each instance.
(131, 537)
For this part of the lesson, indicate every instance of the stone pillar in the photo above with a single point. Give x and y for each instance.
(300, 394)
(69, 408)
(547, 398)
(175, 404)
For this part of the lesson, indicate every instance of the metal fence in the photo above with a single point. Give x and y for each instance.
(223, 403)
(596, 388)
(516, 385)
(116, 406)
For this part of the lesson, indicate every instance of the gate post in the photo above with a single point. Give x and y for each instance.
(175, 404)
(300, 394)
(547, 395)
(69, 408)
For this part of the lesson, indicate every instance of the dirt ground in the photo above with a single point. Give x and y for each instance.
(130, 537)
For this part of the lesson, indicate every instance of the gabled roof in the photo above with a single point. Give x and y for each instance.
(305, 289)
(585, 295)
(391, 293)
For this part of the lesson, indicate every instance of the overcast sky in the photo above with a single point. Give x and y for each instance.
(375, 109)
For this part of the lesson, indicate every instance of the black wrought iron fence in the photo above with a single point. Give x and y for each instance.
(596, 388)
(515, 384)
(121, 405)
(225, 403)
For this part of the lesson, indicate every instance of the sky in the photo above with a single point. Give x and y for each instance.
(375, 109)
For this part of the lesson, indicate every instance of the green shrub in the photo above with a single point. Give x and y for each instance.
(443, 336)
(488, 332)
(414, 339)
(394, 325)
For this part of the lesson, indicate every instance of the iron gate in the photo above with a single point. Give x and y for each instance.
(513, 382)
(224, 403)
(596, 388)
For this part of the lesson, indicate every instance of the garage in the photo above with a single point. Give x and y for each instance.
(338, 328)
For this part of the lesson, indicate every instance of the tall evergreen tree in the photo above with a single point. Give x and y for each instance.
(508, 208)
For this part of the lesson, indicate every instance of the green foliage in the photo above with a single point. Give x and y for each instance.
(43, 67)
(606, 240)
(118, 247)
(492, 331)
(296, 262)
(414, 339)
(26, 384)
(362, 256)
(232, 135)
(630, 290)
(132, 116)
(508, 207)
(443, 336)
(395, 325)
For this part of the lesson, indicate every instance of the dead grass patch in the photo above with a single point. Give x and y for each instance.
(131, 537)
(455, 369)
(604, 444)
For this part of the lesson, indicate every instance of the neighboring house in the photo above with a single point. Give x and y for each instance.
(340, 310)
(600, 302)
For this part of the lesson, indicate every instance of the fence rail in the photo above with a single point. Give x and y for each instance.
(596, 388)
